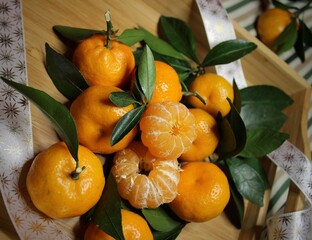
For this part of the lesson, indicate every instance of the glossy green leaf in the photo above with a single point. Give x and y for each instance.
(247, 181)
(130, 36)
(171, 235)
(264, 95)
(261, 142)
(126, 124)
(228, 51)
(160, 46)
(55, 111)
(76, 34)
(147, 73)
(179, 35)
(122, 99)
(64, 74)
(256, 164)
(161, 218)
(287, 39)
(237, 98)
(107, 214)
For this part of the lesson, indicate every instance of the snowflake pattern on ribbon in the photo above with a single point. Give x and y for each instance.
(16, 142)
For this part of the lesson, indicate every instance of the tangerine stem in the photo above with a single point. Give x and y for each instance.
(109, 28)
(76, 173)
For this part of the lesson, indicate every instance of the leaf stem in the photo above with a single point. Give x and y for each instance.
(109, 26)
(76, 173)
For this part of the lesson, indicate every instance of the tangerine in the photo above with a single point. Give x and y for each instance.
(167, 129)
(143, 180)
(96, 116)
(102, 65)
(134, 227)
(207, 137)
(54, 192)
(215, 90)
(272, 23)
(203, 192)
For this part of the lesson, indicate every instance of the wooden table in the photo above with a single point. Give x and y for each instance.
(260, 67)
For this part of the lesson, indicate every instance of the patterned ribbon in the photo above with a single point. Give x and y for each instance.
(286, 226)
(15, 130)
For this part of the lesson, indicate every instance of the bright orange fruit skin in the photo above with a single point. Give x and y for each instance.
(54, 192)
(104, 66)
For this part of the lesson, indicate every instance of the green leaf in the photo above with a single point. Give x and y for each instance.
(247, 181)
(237, 98)
(130, 36)
(122, 99)
(161, 219)
(76, 34)
(261, 142)
(259, 116)
(256, 164)
(64, 74)
(107, 214)
(147, 73)
(160, 46)
(228, 51)
(287, 39)
(179, 35)
(172, 235)
(264, 95)
(55, 111)
(299, 47)
(307, 34)
(126, 124)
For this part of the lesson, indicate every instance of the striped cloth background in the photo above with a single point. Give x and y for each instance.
(245, 13)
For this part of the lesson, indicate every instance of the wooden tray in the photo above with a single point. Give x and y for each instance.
(260, 67)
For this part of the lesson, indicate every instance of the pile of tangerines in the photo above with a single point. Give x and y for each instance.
(164, 159)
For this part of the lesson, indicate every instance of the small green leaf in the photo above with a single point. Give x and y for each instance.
(64, 74)
(126, 124)
(307, 34)
(161, 219)
(76, 34)
(147, 73)
(55, 111)
(130, 36)
(122, 99)
(160, 46)
(261, 142)
(171, 235)
(247, 181)
(179, 35)
(299, 47)
(228, 51)
(237, 98)
(107, 214)
(287, 39)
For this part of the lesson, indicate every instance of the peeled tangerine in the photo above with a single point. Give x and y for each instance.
(144, 180)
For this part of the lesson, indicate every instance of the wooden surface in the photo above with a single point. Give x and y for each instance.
(260, 67)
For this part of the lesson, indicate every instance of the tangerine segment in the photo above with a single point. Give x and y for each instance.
(215, 90)
(134, 227)
(203, 192)
(96, 116)
(104, 66)
(168, 129)
(207, 137)
(145, 182)
(54, 192)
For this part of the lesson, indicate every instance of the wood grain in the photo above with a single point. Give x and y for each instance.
(260, 67)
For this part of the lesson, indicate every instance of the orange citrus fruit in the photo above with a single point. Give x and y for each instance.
(167, 84)
(207, 137)
(215, 90)
(143, 180)
(203, 192)
(96, 116)
(134, 227)
(54, 192)
(271, 24)
(101, 65)
(167, 129)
